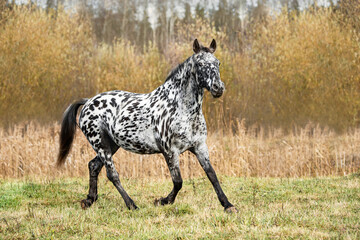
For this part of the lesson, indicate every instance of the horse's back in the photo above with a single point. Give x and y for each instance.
(124, 116)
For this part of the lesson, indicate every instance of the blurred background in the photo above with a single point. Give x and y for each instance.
(285, 63)
(291, 69)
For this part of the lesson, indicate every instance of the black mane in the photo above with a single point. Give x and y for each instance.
(176, 70)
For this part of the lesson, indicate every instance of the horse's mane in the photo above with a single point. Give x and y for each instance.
(181, 65)
(177, 69)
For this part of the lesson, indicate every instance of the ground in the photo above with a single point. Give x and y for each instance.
(311, 208)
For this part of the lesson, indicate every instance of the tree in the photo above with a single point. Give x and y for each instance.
(199, 11)
(221, 17)
(258, 13)
(145, 30)
(188, 16)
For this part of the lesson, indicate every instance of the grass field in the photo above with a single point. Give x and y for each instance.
(307, 208)
(279, 182)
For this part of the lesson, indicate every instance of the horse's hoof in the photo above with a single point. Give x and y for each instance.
(85, 203)
(159, 202)
(133, 207)
(231, 210)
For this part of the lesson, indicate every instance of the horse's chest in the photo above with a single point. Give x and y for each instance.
(186, 132)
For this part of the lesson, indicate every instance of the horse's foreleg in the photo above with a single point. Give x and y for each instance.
(173, 164)
(95, 167)
(202, 155)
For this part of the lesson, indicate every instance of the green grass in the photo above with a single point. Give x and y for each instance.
(268, 208)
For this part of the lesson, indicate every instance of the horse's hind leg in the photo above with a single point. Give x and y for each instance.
(108, 148)
(113, 176)
(95, 167)
(97, 163)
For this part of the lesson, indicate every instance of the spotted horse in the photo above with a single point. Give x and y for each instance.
(169, 120)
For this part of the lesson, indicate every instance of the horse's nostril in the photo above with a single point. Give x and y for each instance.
(215, 87)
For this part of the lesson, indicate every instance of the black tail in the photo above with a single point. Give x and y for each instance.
(68, 128)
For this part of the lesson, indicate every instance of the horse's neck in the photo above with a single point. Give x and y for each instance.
(187, 93)
(192, 95)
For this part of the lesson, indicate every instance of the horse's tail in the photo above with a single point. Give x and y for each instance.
(68, 128)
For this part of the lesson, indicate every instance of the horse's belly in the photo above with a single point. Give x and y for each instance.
(138, 147)
(136, 140)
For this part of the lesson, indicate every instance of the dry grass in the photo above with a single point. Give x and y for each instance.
(31, 150)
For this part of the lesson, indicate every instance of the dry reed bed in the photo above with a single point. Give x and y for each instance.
(31, 150)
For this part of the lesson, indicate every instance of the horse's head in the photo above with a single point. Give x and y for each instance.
(207, 68)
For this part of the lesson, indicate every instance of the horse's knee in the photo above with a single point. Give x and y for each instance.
(95, 166)
(91, 165)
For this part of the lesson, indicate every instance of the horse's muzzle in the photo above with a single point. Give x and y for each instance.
(217, 89)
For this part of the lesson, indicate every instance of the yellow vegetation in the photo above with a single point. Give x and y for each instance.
(31, 150)
(293, 68)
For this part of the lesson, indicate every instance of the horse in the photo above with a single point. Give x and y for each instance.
(168, 120)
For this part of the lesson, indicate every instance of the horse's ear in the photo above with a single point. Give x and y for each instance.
(196, 46)
(213, 46)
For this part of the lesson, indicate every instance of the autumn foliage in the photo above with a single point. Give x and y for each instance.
(292, 69)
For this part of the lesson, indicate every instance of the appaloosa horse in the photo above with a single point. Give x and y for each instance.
(169, 120)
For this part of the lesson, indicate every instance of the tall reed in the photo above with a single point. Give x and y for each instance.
(31, 150)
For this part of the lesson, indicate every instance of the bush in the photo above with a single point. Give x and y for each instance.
(292, 69)
(300, 70)
(45, 62)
